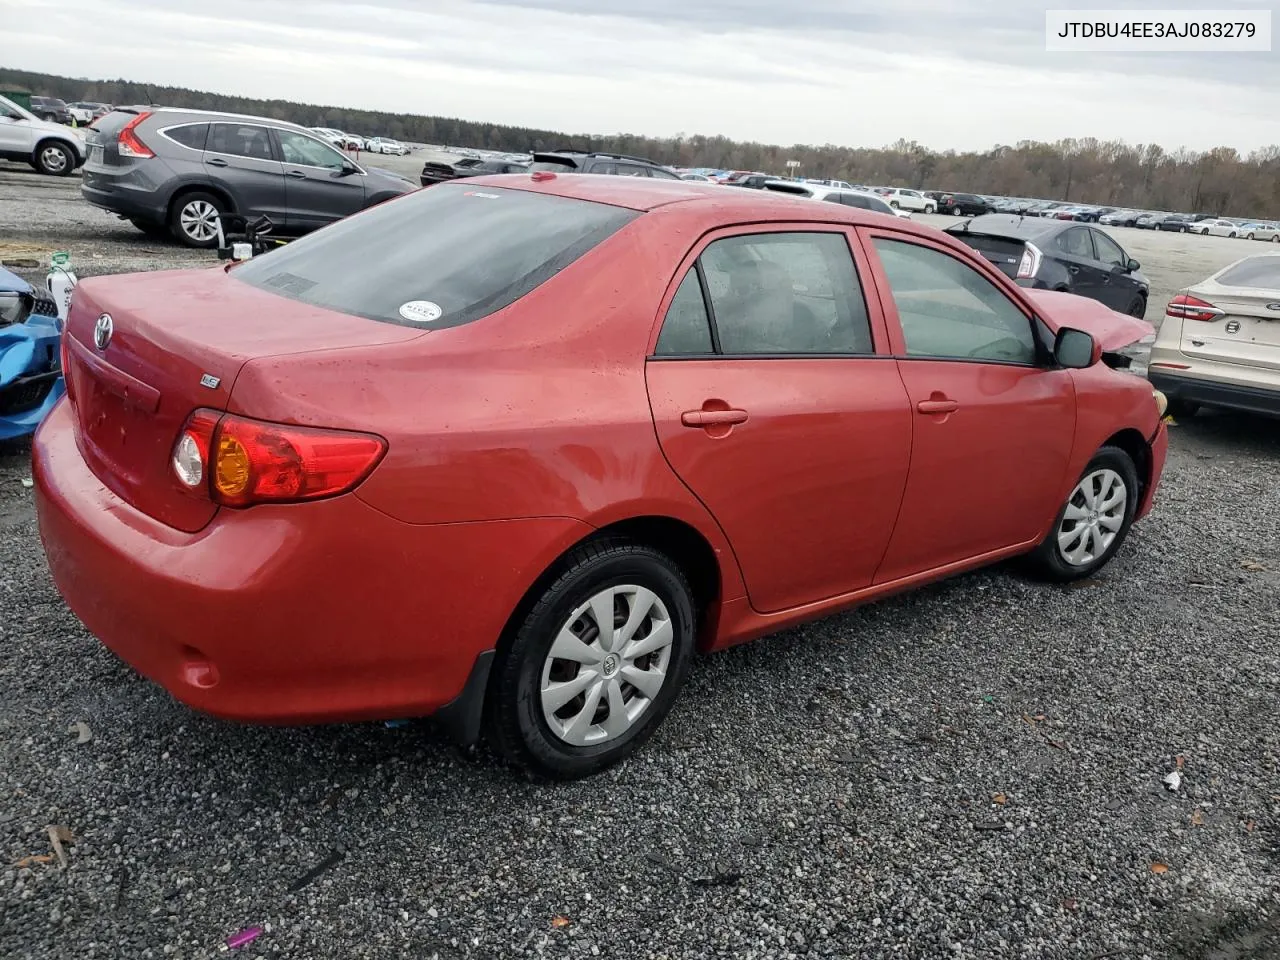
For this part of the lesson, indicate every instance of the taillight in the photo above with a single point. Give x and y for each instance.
(238, 462)
(1192, 308)
(1029, 264)
(129, 144)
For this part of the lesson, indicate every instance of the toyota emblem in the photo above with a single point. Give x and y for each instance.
(102, 331)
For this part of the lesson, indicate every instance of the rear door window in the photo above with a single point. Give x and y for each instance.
(436, 258)
(630, 170)
(1076, 243)
(240, 140)
(786, 293)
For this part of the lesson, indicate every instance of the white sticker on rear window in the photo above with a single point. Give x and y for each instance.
(479, 193)
(421, 311)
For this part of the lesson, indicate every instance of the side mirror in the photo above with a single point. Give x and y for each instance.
(1132, 265)
(1074, 349)
(348, 168)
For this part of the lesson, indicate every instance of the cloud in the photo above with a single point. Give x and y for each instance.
(948, 73)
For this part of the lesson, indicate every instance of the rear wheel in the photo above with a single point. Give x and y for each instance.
(930, 208)
(1094, 521)
(957, 211)
(1250, 236)
(596, 664)
(194, 220)
(1275, 238)
(1233, 235)
(54, 159)
(894, 204)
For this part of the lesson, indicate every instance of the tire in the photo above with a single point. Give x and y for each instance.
(894, 204)
(192, 221)
(1182, 409)
(930, 208)
(956, 211)
(1275, 238)
(54, 159)
(1232, 235)
(519, 720)
(1138, 308)
(1184, 230)
(1251, 237)
(1062, 557)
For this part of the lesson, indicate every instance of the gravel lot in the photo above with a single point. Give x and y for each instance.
(973, 770)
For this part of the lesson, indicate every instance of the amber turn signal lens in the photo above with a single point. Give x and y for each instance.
(231, 468)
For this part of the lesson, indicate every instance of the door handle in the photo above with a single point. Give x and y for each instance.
(937, 406)
(216, 162)
(296, 174)
(713, 418)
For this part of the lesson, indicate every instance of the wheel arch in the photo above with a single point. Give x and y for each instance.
(678, 539)
(1133, 443)
(189, 188)
(77, 159)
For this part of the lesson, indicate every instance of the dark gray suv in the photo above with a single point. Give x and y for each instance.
(175, 171)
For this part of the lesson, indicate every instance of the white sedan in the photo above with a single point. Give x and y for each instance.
(849, 198)
(1261, 231)
(904, 199)
(1216, 228)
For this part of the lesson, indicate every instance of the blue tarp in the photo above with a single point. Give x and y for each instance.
(30, 379)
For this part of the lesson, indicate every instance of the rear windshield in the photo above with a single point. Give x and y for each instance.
(115, 121)
(439, 257)
(554, 166)
(1254, 272)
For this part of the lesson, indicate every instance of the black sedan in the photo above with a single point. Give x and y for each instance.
(435, 172)
(1059, 255)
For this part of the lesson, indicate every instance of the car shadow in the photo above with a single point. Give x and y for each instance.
(1212, 433)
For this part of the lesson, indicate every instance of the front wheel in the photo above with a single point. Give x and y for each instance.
(1184, 230)
(596, 664)
(930, 208)
(1139, 307)
(1094, 521)
(54, 159)
(956, 211)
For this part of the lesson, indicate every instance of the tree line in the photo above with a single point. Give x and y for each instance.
(1220, 181)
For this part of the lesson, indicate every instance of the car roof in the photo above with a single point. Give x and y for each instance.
(213, 115)
(710, 200)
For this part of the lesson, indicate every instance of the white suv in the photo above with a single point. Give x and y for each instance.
(49, 147)
(900, 197)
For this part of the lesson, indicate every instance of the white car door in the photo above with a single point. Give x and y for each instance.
(16, 133)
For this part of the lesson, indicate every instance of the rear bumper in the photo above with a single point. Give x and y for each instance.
(325, 611)
(1216, 393)
(125, 196)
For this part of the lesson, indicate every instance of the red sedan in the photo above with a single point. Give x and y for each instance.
(513, 450)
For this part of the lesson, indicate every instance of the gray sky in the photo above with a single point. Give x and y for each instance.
(949, 73)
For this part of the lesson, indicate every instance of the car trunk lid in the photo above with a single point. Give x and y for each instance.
(175, 341)
(1004, 253)
(1247, 331)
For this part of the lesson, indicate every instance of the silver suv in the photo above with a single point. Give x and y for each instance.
(176, 171)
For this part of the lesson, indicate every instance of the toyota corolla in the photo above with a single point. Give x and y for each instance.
(511, 452)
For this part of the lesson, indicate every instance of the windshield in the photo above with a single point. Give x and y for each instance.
(444, 256)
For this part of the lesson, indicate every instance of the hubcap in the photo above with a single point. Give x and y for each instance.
(199, 220)
(53, 159)
(1093, 518)
(607, 665)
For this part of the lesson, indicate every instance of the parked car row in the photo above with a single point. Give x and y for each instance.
(50, 147)
(351, 141)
